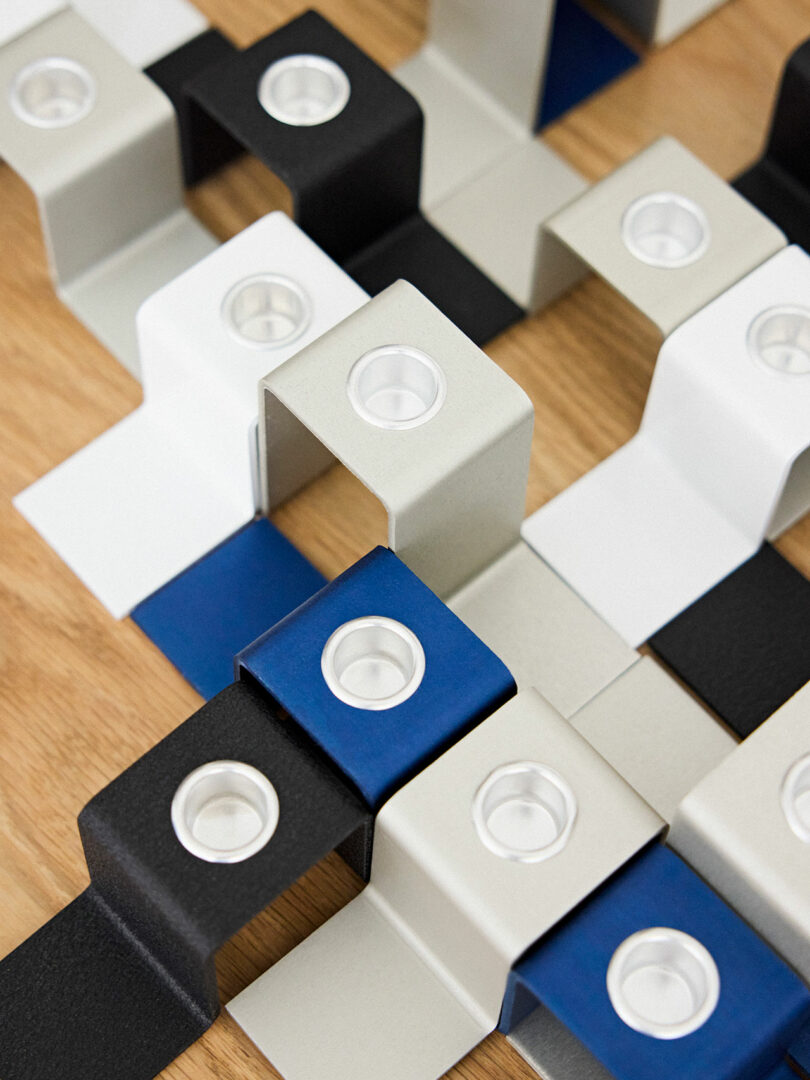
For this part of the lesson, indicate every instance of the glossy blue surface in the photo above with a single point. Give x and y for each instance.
(379, 750)
(762, 1002)
(584, 56)
(211, 611)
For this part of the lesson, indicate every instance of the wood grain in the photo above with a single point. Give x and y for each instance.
(82, 696)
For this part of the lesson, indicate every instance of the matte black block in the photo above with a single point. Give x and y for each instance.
(205, 145)
(123, 979)
(353, 177)
(421, 255)
(744, 647)
(779, 183)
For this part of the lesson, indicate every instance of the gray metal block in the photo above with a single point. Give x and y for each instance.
(746, 829)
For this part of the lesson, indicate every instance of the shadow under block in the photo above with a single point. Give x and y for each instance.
(379, 746)
(745, 828)
(659, 21)
(186, 458)
(106, 254)
(670, 257)
(779, 183)
(123, 979)
(720, 462)
(221, 604)
(744, 647)
(424, 953)
(761, 1002)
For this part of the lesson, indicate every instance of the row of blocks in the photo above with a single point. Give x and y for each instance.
(519, 831)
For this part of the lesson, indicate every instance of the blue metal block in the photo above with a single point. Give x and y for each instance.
(584, 56)
(799, 1053)
(762, 1003)
(380, 749)
(206, 615)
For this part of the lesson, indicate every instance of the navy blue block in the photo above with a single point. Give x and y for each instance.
(762, 1004)
(380, 750)
(213, 610)
(584, 56)
(799, 1053)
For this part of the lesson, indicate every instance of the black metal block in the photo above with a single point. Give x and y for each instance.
(779, 183)
(123, 979)
(205, 146)
(420, 254)
(744, 647)
(353, 177)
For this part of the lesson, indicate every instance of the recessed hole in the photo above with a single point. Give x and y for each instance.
(663, 983)
(665, 230)
(266, 311)
(225, 811)
(524, 811)
(796, 798)
(396, 386)
(52, 92)
(373, 663)
(304, 90)
(780, 339)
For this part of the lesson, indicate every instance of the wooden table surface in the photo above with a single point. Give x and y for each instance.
(81, 695)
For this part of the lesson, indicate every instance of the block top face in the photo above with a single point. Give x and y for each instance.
(132, 829)
(667, 232)
(307, 120)
(400, 395)
(379, 673)
(753, 1000)
(750, 351)
(73, 101)
(242, 310)
(758, 800)
(516, 823)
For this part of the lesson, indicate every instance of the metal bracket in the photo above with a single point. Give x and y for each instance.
(479, 79)
(183, 848)
(81, 125)
(168, 483)
(663, 230)
(746, 829)
(609, 973)
(462, 883)
(720, 463)
(660, 21)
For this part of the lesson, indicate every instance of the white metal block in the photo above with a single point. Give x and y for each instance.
(654, 734)
(144, 31)
(141, 503)
(746, 829)
(477, 857)
(721, 461)
(17, 16)
(659, 21)
(497, 220)
(97, 143)
(665, 231)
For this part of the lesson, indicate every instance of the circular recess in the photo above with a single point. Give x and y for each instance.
(665, 230)
(524, 811)
(53, 92)
(266, 311)
(663, 983)
(396, 386)
(780, 339)
(796, 798)
(225, 811)
(373, 663)
(304, 90)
